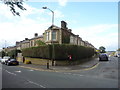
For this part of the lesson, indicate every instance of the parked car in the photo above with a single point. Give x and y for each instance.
(5, 58)
(12, 62)
(103, 57)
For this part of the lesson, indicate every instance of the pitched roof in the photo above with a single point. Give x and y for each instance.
(53, 27)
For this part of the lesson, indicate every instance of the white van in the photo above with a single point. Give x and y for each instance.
(5, 58)
(117, 54)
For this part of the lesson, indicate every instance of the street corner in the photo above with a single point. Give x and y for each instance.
(61, 68)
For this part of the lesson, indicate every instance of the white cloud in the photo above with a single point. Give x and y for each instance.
(100, 35)
(15, 28)
(62, 2)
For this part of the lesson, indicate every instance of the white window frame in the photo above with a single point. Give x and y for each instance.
(54, 35)
(47, 36)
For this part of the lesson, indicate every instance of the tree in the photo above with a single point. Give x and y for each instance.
(2, 54)
(12, 5)
(13, 53)
(102, 49)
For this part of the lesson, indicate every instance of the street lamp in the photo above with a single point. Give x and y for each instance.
(52, 14)
(52, 36)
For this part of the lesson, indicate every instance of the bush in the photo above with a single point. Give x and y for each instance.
(59, 52)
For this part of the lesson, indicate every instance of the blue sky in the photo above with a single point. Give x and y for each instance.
(95, 22)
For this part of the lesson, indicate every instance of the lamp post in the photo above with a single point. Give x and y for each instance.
(52, 38)
(52, 14)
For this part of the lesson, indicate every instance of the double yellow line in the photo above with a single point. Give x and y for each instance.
(96, 65)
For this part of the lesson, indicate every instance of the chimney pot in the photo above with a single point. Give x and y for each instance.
(36, 34)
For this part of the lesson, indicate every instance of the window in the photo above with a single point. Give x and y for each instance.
(53, 35)
(71, 40)
(47, 35)
(31, 43)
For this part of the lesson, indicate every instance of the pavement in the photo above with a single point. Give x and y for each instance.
(86, 65)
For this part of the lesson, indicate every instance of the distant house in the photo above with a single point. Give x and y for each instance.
(33, 41)
(29, 42)
(8, 49)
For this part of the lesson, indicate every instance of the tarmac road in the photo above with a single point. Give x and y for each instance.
(102, 75)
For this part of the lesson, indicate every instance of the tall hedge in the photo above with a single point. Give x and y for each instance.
(77, 52)
(43, 51)
(59, 52)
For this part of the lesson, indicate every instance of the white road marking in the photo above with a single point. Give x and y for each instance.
(74, 74)
(0, 69)
(67, 73)
(36, 84)
(18, 71)
(81, 75)
(31, 70)
(10, 72)
(78, 74)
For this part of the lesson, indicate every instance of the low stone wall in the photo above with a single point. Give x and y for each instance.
(39, 61)
(43, 61)
(19, 59)
(56, 63)
(61, 63)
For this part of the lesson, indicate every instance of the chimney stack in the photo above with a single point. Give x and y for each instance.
(26, 38)
(63, 25)
(70, 30)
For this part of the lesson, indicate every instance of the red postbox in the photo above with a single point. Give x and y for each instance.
(70, 57)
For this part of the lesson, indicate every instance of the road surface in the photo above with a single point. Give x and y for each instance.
(104, 75)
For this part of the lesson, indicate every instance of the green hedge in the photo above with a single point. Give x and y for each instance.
(38, 52)
(77, 52)
(61, 52)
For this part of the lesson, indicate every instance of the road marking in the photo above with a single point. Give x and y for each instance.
(18, 71)
(74, 74)
(36, 83)
(81, 75)
(94, 66)
(0, 69)
(31, 70)
(78, 74)
(10, 72)
(91, 67)
(68, 73)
